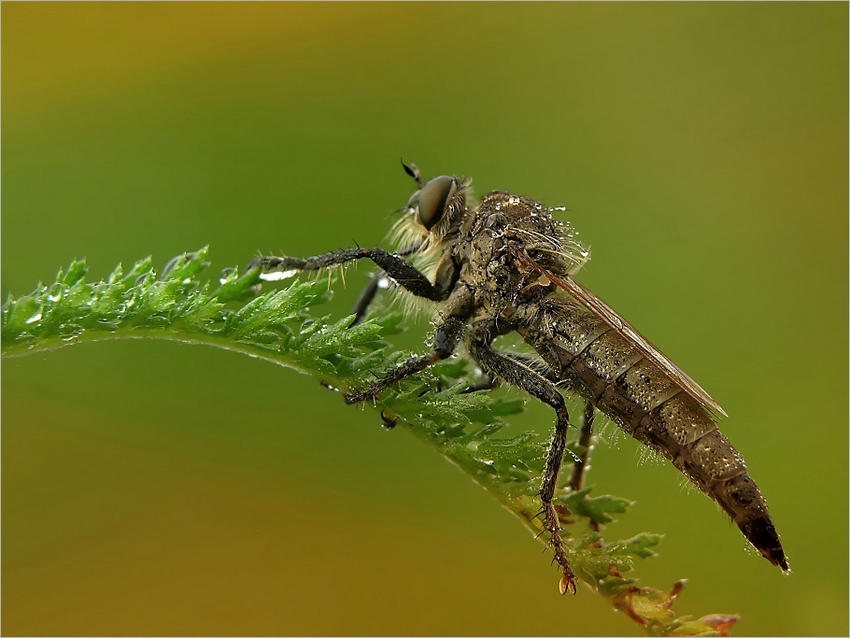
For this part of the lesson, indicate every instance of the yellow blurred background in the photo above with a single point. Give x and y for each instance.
(154, 488)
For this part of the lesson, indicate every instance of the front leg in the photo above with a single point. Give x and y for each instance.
(402, 272)
(446, 338)
(366, 297)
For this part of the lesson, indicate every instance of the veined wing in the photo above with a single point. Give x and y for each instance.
(627, 331)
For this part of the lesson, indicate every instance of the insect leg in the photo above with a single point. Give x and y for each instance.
(534, 363)
(487, 384)
(523, 376)
(361, 306)
(366, 297)
(446, 338)
(403, 272)
(585, 437)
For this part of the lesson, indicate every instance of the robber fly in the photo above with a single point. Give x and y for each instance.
(506, 266)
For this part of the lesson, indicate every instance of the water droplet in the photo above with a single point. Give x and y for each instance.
(278, 275)
(34, 318)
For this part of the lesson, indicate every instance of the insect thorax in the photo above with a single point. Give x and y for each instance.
(490, 241)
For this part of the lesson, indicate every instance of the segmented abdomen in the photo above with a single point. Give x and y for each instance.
(594, 360)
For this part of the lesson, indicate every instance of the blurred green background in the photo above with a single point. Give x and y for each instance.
(154, 488)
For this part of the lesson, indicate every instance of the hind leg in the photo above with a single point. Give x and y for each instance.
(585, 437)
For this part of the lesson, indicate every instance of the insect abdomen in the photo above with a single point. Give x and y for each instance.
(596, 361)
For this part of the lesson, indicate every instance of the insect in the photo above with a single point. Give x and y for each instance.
(507, 265)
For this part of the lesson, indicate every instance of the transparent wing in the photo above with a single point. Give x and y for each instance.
(628, 332)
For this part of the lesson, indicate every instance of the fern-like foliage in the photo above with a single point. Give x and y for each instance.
(278, 326)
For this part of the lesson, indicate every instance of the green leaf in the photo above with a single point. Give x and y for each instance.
(598, 508)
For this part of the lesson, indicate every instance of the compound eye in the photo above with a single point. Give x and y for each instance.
(433, 198)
